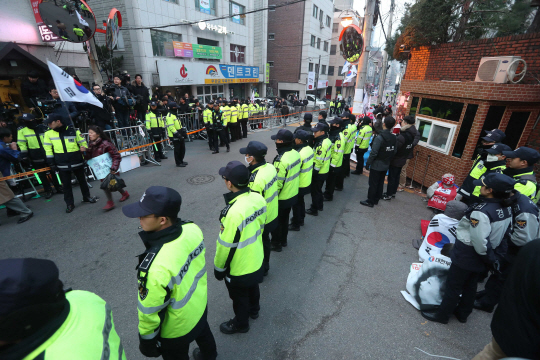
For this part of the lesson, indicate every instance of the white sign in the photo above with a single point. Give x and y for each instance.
(101, 165)
(203, 25)
(310, 81)
(322, 84)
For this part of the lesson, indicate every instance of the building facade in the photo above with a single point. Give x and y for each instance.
(199, 55)
(299, 38)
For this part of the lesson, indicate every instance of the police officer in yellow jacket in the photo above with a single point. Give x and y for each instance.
(63, 148)
(233, 122)
(156, 127)
(208, 123)
(301, 139)
(520, 167)
(245, 116)
(219, 128)
(288, 165)
(322, 152)
(172, 301)
(174, 132)
(363, 136)
(263, 179)
(239, 248)
(338, 147)
(41, 321)
(30, 140)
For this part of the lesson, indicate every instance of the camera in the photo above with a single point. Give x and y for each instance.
(46, 106)
(8, 111)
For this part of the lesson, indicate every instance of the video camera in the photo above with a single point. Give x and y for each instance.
(8, 111)
(46, 106)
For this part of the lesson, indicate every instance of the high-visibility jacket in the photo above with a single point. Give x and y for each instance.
(363, 136)
(263, 180)
(306, 169)
(467, 189)
(349, 133)
(239, 247)
(207, 116)
(78, 31)
(239, 111)
(172, 124)
(30, 142)
(252, 109)
(484, 171)
(331, 104)
(322, 152)
(528, 189)
(337, 151)
(287, 164)
(234, 114)
(226, 115)
(154, 123)
(172, 281)
(87, 333)
(245, 111)
(63, 148)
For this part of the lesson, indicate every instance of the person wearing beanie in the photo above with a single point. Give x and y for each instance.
(38, 320)
(441, 192)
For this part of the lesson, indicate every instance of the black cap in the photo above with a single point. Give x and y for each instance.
(344, 115)
(308, 117)
(352, 118)
(52, 117)
(497, 182)
(336, 120)
(33, 74)
(153, 103)
(524, 153)
(27, 117)
(156, 200)
(26, 282)
(303, 135)
(283, 134)
(323, 114)
(235, 172)
(498, 149)
(211, 102)
(494, 136)
(320, 127)
(255, 148)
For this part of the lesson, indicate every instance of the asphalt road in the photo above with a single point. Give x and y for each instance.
(333, 293)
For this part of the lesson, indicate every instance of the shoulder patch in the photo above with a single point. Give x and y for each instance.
(522, 224)
(474, 222)
(147, 261)
(143, 292)
(20, 128)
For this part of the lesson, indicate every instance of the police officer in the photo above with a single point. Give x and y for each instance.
(338, 145)
(322, 118)
(363, 136)
(332, 106)
(63, 146)
(174, 126)
(208, 123)
(226, 111)
(525, 228)
(263, 179)
(240, 116)
(172, 302)
(301, 139)
(479, 243)
(239, 248)
(288, 164)
(233, 125)
(219, 128)
(520, 167)
(41, 321)
(156, 127)
(30, 140)
(382, 151)
(348, 131)
(492, 137)
(322, 152)
(252, 113)
(308, 117)
(245, 117)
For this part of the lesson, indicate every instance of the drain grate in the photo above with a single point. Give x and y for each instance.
(201, 179)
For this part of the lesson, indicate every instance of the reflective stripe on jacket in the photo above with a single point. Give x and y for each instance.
(263, 180)
(323, 154)
(31, 143)
(172, 124)
(306, 169)
(337, 151)
(288, 165)
(63, 148)
(363, 137)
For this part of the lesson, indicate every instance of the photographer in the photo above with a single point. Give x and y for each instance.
(66, 109)
(120, 101)
(142, 93)
(33, 87)
(102, 117)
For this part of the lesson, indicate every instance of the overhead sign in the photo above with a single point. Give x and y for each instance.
(174, 72)
(187, 50)
(203, 25)
(310, 85)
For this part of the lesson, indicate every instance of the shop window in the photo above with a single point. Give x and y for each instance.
(238, 54)
(442, 109)
(162, 42)
(206, 6)
(465, 130)
(330, 70)
(234, 10)
(208, 92)
(515, 127)
(493, 120)
(414, 105)
(436, 135)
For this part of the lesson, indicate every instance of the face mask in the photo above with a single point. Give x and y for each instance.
(246, 159)
(491, 158)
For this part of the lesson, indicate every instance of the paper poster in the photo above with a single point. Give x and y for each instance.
(101, 165)
(204, 6)
(310, 81)
(236, 11)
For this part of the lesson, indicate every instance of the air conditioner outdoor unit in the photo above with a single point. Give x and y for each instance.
(495, 69)
(322, 25)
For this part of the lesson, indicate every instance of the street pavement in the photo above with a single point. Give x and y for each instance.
(333, 293)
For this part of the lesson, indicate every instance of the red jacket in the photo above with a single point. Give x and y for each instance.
(100, 147)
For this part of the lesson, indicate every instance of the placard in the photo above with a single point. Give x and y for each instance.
(236, 11)
(101, 165)
(204, 6)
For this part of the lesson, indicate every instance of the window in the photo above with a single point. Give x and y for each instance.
(515, 127)
(441, 109)
(316, 68)
(464, 130)
(335, 27)
(271, 63)
(318, 43)
(321, 16)
(436, 135)
(493, 120)
(328, 20)
(173, 1)
(333, 49)
(238, 54)
(235, 9)
(313, 40)
(315, 11)
(323, 70)
(325, 47)
(414, 105)
(162, 42)
(330, 70)
(310, 67)
(209, 6)
(271, 36)
(340, 70)
(207, 93)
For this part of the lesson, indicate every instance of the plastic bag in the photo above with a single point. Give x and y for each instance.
(113, 183)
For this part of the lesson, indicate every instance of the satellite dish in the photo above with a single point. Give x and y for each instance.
(351, 43)
(114, 23)
(512, 68)
(72, 21)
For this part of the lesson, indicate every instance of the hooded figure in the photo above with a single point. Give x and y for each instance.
(441, 192)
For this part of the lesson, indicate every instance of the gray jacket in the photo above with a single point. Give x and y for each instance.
(383, 150)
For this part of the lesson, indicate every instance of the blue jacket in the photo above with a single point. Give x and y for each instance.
(7, 156)
(61, 110)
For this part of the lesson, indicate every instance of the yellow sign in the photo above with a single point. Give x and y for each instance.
(229, 81)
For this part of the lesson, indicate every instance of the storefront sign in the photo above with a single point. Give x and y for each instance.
(176, 72)
(204, 6)
(267, 78)
(203, 25)
(236, 11)
(187, 50)
(310, 85)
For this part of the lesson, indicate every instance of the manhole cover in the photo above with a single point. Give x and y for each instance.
(200, 179)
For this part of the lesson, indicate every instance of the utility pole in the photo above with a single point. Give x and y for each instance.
(363, 63)
(317, 79)
(93, 59)
(385, 56)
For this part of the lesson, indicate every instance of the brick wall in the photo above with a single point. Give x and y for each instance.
(286, 50)
(460, 61)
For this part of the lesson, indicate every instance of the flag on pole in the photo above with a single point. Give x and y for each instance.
(346, 67)
(81, 20)
(252, 95)
(70, 89)
(350, 74)
(365, 104)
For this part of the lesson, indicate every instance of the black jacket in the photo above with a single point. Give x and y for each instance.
(183, 108)
(67, 110)
(33, 90)
(142, 102)
(415, 142)
(404, 145)
(122, 92)
(383, 149)
(101, 116)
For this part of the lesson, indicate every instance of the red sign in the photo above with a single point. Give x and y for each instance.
(35, 8)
